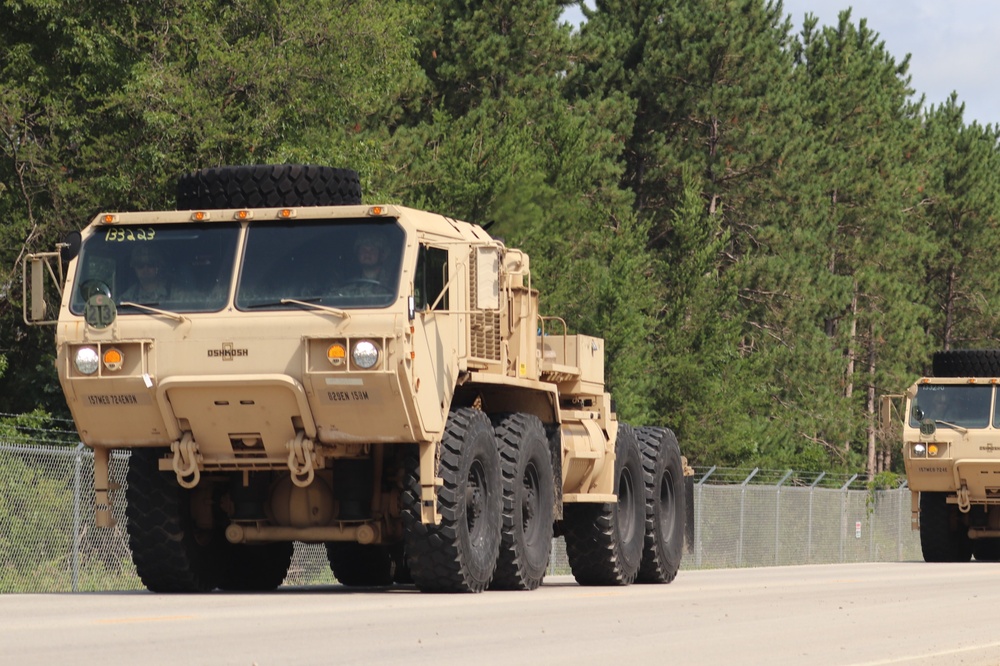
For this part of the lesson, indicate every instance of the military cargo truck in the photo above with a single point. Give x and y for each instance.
(951, 451)
(287, 364)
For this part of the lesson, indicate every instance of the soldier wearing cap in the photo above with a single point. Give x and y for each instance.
(152, 284)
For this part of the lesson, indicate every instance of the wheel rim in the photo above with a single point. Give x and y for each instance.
(626, 505)
(666, 501)
(475, 498)
(530, 509)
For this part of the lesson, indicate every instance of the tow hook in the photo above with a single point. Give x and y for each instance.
(964, 504)
(186, 462)
(300, 460)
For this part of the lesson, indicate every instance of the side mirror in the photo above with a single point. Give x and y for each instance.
(39, 306)
(928, 427)
(885, 411)
(41, 284)
(916, 413)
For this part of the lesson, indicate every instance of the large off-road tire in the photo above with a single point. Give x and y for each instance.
(460, 553)
(171, 553)
(361, 565)
(267, 186)
(967, 363)
(666, 505)
(254, 567)
(986, 550)
(528, 501)
(604, 542)
(943, 538)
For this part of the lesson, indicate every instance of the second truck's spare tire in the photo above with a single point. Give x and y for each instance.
(967, 363)
(268, 186)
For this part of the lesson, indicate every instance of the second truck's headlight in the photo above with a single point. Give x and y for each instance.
(87, 361)
(365, 355)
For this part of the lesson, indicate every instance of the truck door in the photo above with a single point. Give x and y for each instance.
(436, 338)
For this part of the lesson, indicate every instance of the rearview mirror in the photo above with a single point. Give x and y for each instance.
(41, 284)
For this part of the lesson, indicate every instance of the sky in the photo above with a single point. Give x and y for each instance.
(954, 45)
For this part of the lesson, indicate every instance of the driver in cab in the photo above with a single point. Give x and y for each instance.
(152, 283)
(372, 277)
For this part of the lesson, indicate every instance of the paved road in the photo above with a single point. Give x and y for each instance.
(863, 614)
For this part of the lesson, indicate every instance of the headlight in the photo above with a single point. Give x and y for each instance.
(87, 361)
(919, 450)
(365, 355)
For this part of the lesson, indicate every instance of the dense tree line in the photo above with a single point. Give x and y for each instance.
(769, 228)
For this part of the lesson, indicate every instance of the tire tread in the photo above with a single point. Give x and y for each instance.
(267, 186)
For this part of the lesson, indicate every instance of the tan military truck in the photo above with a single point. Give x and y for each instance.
(951, 450)
(286, 364)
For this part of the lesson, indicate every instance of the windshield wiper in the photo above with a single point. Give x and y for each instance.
(284, 301)
(957, 427)
(166, 313)
(311, 303)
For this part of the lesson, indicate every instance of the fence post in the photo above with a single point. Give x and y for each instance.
(777, 517)
(743, 497)
(76, 516)
(843, 515)
(872, 526)
(809, 543)
(697, 518)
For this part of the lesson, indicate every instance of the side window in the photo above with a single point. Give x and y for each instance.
(431, 279)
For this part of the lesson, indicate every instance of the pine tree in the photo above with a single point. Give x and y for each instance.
(494, 140)
(711, 124)
(849, 239)
(961, 189)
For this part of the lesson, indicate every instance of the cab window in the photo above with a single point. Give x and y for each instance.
(431, 279)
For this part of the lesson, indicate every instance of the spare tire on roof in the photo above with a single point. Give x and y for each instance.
(967, 363)
(268, 186)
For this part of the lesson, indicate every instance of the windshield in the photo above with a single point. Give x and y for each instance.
(180, 268)
(335, 263)
(967, 406)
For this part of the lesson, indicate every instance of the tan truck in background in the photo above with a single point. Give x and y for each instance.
(951, 451)
(275, 384)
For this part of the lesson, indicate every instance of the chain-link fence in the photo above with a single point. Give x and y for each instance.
(48, 541)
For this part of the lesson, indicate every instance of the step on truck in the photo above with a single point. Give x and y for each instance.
(951, 452)
(287, 364)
